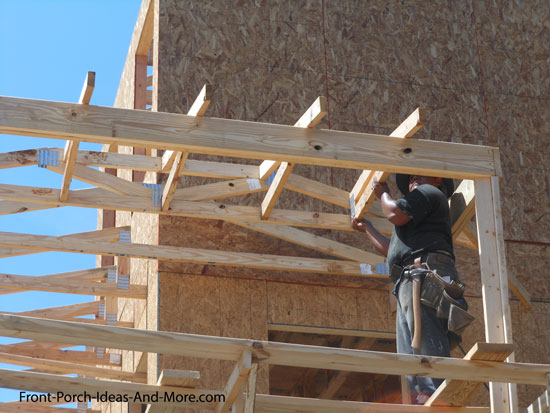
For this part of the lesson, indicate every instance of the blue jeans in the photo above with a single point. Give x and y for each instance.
(434, 337)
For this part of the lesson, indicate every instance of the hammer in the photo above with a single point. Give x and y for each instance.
(416, 280)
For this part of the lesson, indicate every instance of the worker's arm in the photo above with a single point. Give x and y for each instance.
(391, 211)
(380, 242)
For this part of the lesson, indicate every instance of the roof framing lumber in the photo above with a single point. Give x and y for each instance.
(181, 254)
(73, 356)
(107, 234)
(308, 120)
(198, 108)
(30, 407)
(220, 190)
(173, 179)
(94, 274)
(315, 242)
(179, 378)
(99, 198)
(71, 147)
(51, 383)
(285, 404)
(275, 189)
(458, 392)
(67, 311)
(227, 137)
(21, 282)
(297, 328)
(61, 367)
(541, 405)
(362, 193)
(226, 348)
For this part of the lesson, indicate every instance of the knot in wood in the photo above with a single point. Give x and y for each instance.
(257, 345)
(425, 362)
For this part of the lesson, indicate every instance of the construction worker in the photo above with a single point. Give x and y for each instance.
(422, 229)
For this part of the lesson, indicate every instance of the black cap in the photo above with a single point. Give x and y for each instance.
(402, 181)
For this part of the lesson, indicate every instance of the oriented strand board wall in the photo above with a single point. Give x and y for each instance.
(480, 67)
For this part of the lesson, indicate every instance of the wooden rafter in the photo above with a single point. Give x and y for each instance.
(71, 147)
(226, 348)
(235, 382)
(73, 356)
(61, 367)
(308, 120)
(275, 189)
(244, 139)
(99, 198)
(195, 255)
(362, 193)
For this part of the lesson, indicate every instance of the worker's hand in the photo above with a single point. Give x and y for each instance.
(360, 224)
(379, 188)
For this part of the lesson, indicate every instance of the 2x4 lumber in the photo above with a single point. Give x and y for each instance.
(298, 328)
(494, 280)
(197, 109)
(286, 354)
(14, 207)
(179, 378)
(95, 274)
(244, 139)
(285, 404)
(316, 189)
(219, 190)
(458, 392)
(180, 254)
(66, 311)
(99, 198)
(39, 408)
(61, 367)
(73, 356)
(173, 179)
(275, 189)
(235, 382)
(315, 242)
(71, 147)
(27, 283)
(51, 383)
(311, 117)
(363, 187)
(143, 30)
(107, 234)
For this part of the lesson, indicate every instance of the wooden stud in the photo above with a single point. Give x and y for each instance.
(251, 389)
(237, 138)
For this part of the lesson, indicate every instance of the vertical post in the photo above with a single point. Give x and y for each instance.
(496, 309)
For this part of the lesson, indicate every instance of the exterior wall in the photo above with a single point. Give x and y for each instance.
(479, 66)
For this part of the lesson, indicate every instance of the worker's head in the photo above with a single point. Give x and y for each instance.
(408, 183)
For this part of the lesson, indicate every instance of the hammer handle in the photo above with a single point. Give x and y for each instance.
(416, 312)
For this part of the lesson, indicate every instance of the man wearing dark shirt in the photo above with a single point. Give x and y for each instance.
(422, 224)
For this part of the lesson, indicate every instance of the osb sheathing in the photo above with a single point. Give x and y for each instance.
(481, 69)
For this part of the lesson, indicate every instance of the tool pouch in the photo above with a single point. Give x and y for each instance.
(443, 264)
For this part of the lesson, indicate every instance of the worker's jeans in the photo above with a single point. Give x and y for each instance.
(434, 338)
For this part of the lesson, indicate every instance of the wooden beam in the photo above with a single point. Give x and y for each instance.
(107, 234)
(286, 354)
(99, 198)
(311, 117)
(179, 378)
(51, 383)
(285, 404)
(95, 274)
(180, 254)
(362, 193)
(317, 190)
(315, 242)
(235, 382)
(458, 392)
(244, 139)
(198, 108)
(71, 147)
(61, 367)
(19, 282)
(30, 407)
(73, 356)
(173, 179)
(275, 189)
(494, 279)
(66, 311)
(220, 190)
(14, 207)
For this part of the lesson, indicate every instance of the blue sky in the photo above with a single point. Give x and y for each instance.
(46, 49)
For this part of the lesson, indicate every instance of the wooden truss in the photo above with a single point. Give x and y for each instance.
(277, 148)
